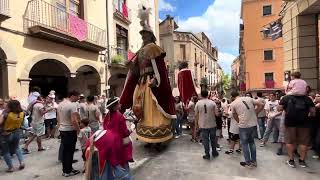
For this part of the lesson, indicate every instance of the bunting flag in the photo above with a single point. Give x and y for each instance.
(276, 30)
(273, 30)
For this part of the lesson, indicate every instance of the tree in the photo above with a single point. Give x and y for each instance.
(226, 82)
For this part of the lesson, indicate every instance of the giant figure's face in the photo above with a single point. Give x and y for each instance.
(147, 37)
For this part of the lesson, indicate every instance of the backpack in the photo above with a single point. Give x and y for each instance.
(296, 107)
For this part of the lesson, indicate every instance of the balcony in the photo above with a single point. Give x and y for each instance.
(118, 57)
(269, 84)
(4, 10)
(122, 12)
(44, 20)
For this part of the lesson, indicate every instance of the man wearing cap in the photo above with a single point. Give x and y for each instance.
(82, 107)
(50, 116)
(147, 90)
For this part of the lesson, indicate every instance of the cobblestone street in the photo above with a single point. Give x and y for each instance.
(181, 160)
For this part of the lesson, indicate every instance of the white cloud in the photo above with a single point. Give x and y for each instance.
(220, 23)
(225, 61)
(166, 6)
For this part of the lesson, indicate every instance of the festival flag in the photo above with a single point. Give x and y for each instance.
(276, 30)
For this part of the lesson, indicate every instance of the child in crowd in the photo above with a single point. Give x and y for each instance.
(297, 86)
(234, 133)
(83, 136)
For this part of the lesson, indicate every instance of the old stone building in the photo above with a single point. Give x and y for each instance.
(301, 39)
(197, 49)
(52, 44)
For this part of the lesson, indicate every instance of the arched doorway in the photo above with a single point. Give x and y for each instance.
(116, 83)
(87, 81)
(50, 74)
(3, 75)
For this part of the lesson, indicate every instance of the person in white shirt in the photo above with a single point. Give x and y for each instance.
(50, 117)
(234, 132)
(206, 111)
(191, 117)
(274, 117)
(245, 110)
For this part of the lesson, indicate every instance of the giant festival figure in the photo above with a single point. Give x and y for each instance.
(147, 89)
(186, 83)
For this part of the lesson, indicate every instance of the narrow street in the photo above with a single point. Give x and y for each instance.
(181, 160)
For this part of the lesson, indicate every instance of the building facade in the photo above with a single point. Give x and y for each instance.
(263, 57)
(197, 49)
(52, 44)
(124, 37)
(301, 39)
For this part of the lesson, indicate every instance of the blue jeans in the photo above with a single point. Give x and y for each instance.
(273, 124)
(262, 125)
(178, 125)
(248, 145)
(208, 137)
(10, 145)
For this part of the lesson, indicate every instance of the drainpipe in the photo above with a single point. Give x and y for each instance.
(108, 50)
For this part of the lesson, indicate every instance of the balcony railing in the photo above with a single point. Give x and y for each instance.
(42, 17)
(118, 55)
(269, 84)
(4, 9)
(121, 11)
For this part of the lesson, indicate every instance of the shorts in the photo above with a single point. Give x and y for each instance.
(234, 137)
(38, 129)
(50, 123)
(299, 136)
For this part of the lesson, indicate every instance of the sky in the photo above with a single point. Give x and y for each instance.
(218, 19)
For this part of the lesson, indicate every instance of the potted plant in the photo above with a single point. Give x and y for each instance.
(117, 59)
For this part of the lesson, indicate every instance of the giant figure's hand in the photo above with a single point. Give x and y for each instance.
(153, 83)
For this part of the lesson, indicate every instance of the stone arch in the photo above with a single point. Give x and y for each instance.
(30, 63)
(178, 36)
(99, 69)
(88, 79)
(9, 51)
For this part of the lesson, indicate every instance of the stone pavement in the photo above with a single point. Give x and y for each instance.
(181, 160)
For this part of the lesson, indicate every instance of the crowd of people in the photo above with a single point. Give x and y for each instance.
(101, 129)
(293, 117)
(72, 119)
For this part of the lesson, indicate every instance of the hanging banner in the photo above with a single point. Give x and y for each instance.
(78, 27)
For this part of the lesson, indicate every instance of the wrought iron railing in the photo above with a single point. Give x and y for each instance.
(118, 55)
(4, 7)
(44, 14)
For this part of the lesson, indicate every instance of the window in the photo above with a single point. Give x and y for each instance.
(122, 40)
(267, 10)
(268, 55)
(118, 4)
(73, 7)
(183, 51)
(268, 77)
